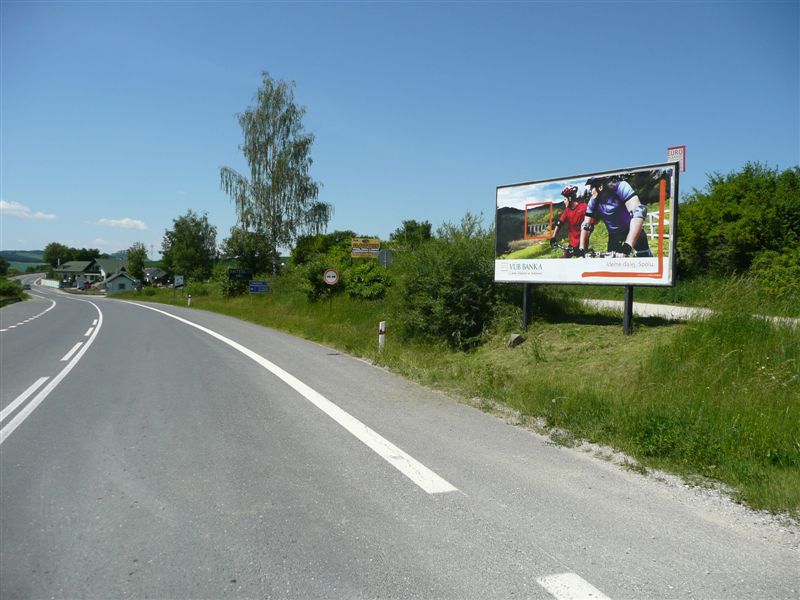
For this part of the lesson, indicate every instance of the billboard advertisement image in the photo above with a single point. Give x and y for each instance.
(608, 228)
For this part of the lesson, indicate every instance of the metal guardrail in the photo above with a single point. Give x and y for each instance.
(9, 300)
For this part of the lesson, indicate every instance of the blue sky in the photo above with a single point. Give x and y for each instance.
(117, 116)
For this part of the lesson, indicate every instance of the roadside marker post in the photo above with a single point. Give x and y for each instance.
(381, 335)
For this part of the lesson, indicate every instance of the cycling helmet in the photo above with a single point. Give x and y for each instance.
(570, 192)
(596, 182)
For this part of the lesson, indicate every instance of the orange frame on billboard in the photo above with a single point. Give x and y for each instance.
(548, 232)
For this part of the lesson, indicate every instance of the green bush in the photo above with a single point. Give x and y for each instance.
(445, 289)
(311, 273)
(778, 275)
(366, 280)
(309, 247)
(228, 287)
(726, 227)
(197, 288)
(362, 279)
(10, 289)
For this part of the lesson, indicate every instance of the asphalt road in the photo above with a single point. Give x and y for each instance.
(204, 457)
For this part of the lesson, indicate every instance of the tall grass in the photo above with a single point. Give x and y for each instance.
(718, 398)
(733, 410)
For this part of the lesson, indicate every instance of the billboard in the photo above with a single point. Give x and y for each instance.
(608, 228)
(366, 248)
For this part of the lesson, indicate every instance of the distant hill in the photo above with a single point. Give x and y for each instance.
(21, 260)
(23, 256)
(510, 226)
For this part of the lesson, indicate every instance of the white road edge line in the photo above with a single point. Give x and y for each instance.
(69, 354)
(21, 398)
(570, 586)
(39, 398)
(403, 462)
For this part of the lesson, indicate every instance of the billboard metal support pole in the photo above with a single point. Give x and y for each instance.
(627, 316)
(525, 295)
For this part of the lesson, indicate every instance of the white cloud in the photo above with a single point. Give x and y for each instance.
(15, 209)
(125, 223)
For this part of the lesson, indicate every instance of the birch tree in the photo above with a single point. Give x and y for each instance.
(279, 199)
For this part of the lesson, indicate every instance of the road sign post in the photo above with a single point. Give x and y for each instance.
(331, 277)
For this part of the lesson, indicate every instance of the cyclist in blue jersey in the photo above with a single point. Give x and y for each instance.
(615, 202)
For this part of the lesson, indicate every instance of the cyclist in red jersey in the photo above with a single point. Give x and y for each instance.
(572, 217)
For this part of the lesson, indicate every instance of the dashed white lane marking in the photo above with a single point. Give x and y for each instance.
(48, 309)
(403, 462)
(69, 354)
(569, 586)
(21, 398)
(94, 322)
(88, 332)
(40, 397)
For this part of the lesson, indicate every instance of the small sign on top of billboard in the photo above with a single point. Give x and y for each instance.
(366, 248)
(677, 154)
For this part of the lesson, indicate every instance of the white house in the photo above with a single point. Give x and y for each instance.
(120, 282)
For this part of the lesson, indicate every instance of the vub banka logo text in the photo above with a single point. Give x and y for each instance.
(526, 267)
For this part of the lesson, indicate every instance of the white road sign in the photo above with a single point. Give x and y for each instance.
(331, 276)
